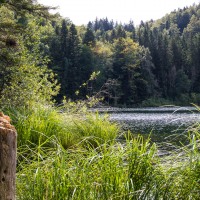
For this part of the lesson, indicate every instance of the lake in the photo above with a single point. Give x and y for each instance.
(164, 123)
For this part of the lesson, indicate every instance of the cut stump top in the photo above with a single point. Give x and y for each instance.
(5, 122)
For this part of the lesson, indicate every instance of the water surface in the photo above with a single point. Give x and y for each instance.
(161, 122)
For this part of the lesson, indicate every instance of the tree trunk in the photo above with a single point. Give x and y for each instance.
(8, 146)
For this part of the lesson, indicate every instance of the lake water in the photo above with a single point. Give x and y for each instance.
(164, 123)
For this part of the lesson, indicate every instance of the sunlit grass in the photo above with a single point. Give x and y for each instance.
(72, 156)
(38, 124)
(107, 172)
(132, 170)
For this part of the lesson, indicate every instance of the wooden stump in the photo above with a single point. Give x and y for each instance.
(8, 146)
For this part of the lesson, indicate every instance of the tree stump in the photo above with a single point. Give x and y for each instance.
(8, 146)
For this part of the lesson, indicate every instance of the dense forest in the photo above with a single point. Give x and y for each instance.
(45, 57)
(51, 71)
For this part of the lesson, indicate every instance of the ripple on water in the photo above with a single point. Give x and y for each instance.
(159, 122)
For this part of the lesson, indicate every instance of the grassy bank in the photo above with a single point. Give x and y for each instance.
(78, 156)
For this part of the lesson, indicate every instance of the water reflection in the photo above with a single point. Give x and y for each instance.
(161, 122)
(144, 122)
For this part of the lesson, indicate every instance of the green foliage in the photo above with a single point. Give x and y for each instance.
(95, 130)
(27, 86)
(182, 83)
(132, 67)
(172, 47)
(89, 38)
(22, 7)
(40, 123)
(25, 79)
(131, 170)
(68, 153)
(162, 49)
(156, 59)
(156, 101)
(124, 65)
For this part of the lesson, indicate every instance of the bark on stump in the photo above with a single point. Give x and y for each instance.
(8, 146)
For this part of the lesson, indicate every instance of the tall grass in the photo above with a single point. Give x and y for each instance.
(129, 171)
(77, 156)
(107, 172)
(185, 169)
(42, 122)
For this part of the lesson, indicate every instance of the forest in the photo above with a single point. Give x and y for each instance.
(46, 57)
(52, 71)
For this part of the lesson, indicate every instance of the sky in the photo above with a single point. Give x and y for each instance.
(82, 11)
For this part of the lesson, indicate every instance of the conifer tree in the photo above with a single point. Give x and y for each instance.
(89, 38)
(74, 52)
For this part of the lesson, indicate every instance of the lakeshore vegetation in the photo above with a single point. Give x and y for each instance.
(68, 156)
(51, 71)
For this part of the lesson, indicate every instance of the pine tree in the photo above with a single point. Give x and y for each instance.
(89, 38)
(74, 52)
(63, 39)
(121, 32)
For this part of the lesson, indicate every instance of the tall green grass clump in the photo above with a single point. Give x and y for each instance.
(114, 171)
(95, 130)
(182, 170)
(35, 125)
(132, 170)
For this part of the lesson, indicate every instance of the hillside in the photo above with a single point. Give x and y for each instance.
(123, 64)
(157, 59)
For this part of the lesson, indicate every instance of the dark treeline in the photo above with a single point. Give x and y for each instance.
(124, 64)
(157, 59)
(174, 43)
